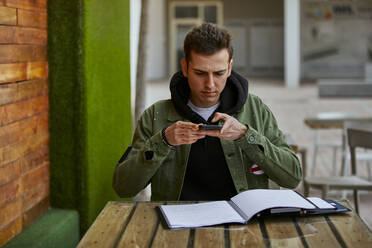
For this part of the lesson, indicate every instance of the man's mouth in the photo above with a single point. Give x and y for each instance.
(209, 93)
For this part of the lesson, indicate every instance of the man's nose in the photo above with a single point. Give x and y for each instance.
(210, 81)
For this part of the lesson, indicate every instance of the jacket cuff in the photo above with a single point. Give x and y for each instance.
(156, 148)
(253, 143)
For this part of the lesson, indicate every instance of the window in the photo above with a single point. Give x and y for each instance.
(183, 15)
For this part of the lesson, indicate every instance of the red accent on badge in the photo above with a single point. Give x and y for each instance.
(256, 170)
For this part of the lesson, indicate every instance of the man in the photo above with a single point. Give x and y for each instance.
(183, 162)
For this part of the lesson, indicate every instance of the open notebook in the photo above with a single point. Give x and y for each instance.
(242, 207)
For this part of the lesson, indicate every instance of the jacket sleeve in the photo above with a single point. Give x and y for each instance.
(266, 147)
(147, 155)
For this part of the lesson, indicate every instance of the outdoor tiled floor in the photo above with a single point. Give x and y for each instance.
(291, 107)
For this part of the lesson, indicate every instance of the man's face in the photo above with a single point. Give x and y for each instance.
(207, 75)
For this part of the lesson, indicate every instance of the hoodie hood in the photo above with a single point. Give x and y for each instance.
(232, 98)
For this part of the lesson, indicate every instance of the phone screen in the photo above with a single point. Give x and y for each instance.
(210, 127)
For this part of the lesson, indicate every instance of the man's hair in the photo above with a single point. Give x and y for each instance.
(208, 39)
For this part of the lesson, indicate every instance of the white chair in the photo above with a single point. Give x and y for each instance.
(358, 135)
(361, 156)
(334, 145)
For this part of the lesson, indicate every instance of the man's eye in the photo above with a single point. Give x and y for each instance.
(219, 74)
(199, 73)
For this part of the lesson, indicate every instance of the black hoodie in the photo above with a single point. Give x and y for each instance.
(207, 175)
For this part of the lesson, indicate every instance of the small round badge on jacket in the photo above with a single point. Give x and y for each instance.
(256, 170)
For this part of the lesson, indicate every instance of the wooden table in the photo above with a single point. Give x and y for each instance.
(332, 121)
(130, 224)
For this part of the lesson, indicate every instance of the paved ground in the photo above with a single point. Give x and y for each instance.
(291, 107)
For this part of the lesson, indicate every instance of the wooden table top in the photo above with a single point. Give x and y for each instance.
(131, 224)
(334, 122)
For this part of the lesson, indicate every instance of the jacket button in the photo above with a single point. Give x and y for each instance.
(240, 190)
(251, 138)
(230, 155)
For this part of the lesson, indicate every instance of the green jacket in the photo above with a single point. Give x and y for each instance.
(152, 161)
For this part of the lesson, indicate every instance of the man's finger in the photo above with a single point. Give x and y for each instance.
(219, 116)
(214, 133)
(187, 125)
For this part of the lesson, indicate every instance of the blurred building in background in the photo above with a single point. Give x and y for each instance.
(334, 35)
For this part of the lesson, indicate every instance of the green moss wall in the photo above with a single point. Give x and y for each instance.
(107, 95)
(90, 113)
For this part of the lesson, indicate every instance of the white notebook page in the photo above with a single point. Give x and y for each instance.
(200, 214)
(253, 201)
(320, 203)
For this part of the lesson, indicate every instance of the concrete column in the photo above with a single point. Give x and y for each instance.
(292, 43)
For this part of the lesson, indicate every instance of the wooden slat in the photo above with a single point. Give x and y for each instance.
(141, 228)
(32, 18)
(13, 72)
(10, 211)
(37, 70)
(40, 53)
(21, 110)
(8, 93)
(23, 71)
(35, 186)
(209, 237)
(30, 36)
(14, 132)
(7, 35)
(352, 230)
(8, 16)
(35, 212)
(9, 172)
(282, 233)
(39, 5)
(25, 146)
(22, 53)
(316, 232)
(107, 227)
(242, 235)
(10, 191)
(24, 35)
(13, 170)
(10, 230)
(36, 193)
(15, 92)
(32, 88)
(34, 159)
(166, 238)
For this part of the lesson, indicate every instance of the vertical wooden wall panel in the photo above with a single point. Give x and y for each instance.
(24, 112)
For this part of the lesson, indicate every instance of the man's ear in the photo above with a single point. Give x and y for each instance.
(230, 67)
(184, 67)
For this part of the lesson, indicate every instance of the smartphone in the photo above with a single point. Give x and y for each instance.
(210, 127)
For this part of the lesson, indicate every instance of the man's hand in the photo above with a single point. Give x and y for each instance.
(232, 129)
(182, 132)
